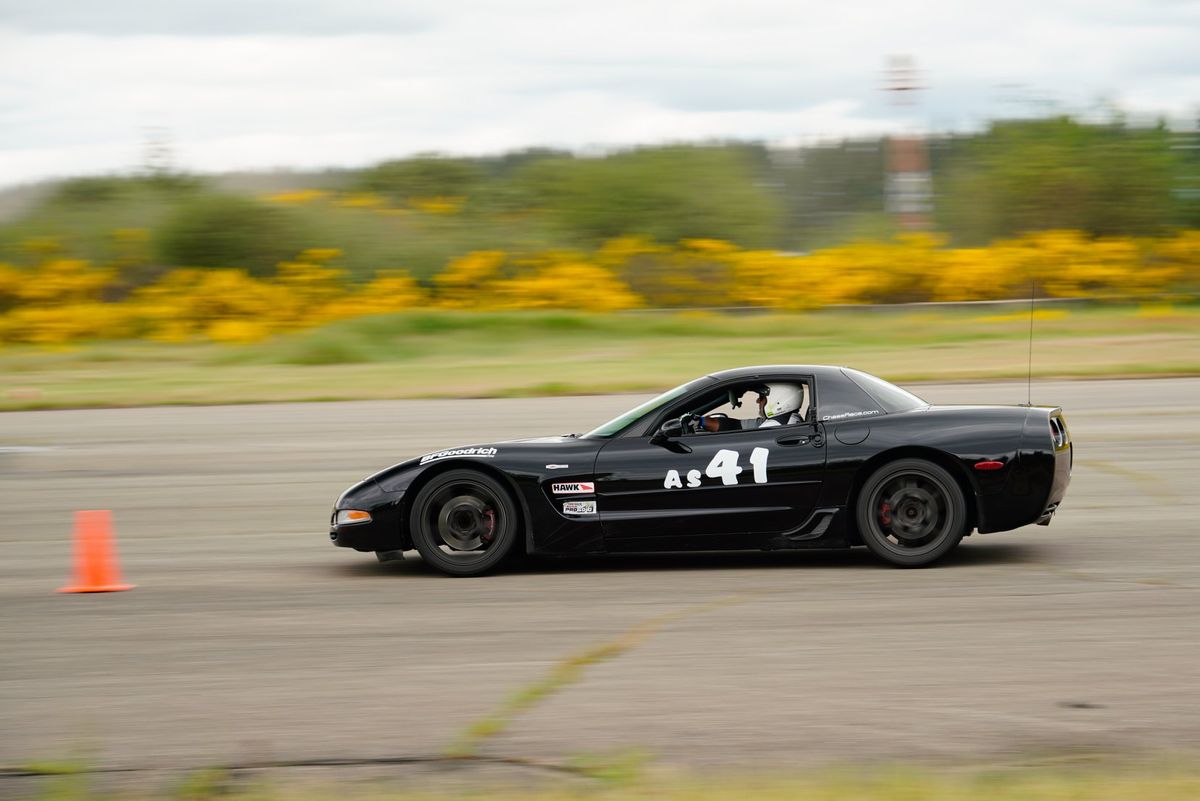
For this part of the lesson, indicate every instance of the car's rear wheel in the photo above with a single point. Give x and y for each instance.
(911, 512)
(464, 522)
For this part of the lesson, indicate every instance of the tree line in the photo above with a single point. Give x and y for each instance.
(1017, 177)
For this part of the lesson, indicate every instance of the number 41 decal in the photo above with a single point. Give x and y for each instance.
(724, 465)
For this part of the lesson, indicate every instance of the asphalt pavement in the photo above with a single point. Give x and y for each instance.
(250, 638)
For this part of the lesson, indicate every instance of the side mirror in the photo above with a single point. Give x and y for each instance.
(670, 429)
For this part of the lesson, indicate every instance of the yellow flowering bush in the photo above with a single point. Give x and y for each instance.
(920, 267)
(899, 271)
(615, 252)
(553, 280)
(238, 331)
(70, 322)
(361, 200)
(62, 300)
(12, 281)
(466, 282)
(306, 286)
(298, 196)
(991, 273)
(449, 204)
(1179, 259)
(187, 303)
(62, 281)
(699, 272)
(389, 291)
(567, 284)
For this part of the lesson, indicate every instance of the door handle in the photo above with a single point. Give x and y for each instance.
(793, 440)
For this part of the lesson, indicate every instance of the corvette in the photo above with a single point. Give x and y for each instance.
(756, 458)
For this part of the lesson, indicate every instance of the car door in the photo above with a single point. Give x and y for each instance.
(720, 490)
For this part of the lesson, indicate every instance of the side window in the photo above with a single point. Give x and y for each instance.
(747, 410)
(806, 405)
(737, 408)
(843, 398)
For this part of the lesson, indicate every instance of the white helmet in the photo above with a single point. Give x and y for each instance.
(783, 399)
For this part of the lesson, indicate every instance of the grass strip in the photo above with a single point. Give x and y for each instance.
(448, 354)
(1107, 779)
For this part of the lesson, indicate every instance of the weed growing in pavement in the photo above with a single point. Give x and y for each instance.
(565, 673)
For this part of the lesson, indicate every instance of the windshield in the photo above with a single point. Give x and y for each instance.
(889, 396)
(620, 423)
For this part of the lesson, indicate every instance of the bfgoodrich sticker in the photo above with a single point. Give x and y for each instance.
(485, 453)
(579, 488)
(579, 508)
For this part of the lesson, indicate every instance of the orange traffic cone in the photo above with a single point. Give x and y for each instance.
(95, 555)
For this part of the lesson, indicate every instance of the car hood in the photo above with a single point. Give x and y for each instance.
(526, 455)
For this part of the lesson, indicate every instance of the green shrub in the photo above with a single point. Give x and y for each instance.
(402, 180)
(326, 348)
(97, 189)
(230, 231)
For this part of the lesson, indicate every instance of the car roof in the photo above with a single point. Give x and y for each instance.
(756, 371)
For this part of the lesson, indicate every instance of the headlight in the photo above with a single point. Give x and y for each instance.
(347, 517)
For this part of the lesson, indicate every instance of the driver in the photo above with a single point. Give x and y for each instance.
(779, 405)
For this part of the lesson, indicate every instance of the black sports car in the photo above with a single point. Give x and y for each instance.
(755, 458)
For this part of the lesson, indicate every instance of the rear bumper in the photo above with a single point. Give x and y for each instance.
(1064, 461)
(1035, 483)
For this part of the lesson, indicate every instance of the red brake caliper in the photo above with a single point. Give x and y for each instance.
(884, 517)
(487, 536)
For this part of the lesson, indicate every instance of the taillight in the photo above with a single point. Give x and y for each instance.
(1058, 432)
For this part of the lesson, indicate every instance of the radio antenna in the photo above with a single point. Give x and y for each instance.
(1029, 375)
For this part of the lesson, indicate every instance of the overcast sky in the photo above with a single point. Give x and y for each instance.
(309, 83)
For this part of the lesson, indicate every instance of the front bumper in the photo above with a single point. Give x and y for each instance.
(365, 537)
(384, 532)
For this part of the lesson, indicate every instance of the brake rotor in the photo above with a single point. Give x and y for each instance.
(465, 523)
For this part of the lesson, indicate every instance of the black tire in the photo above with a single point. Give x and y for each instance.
(911, 513)
(464, 522)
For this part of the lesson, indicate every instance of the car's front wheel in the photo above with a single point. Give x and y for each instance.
(464, 522)
(911, 512)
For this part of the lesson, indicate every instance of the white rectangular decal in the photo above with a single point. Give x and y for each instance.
(577, 488)
(579, 507)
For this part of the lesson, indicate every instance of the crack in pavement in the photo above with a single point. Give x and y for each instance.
(12, 772)
(569, 671)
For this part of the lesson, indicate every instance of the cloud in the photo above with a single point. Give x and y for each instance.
(212, 17)
(272, 83)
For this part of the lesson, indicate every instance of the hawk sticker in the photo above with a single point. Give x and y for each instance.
(574, 488)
